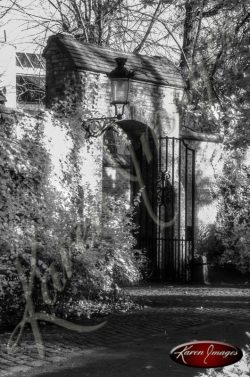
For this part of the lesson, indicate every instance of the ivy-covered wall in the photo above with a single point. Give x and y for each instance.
(44, 166)
(51, 197)
(152, 100)
(42, 188)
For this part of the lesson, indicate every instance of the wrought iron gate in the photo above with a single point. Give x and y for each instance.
(166, 214)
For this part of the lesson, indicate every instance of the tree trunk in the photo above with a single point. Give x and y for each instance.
(191, 29)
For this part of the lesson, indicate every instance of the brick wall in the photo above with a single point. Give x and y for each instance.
(151, 104)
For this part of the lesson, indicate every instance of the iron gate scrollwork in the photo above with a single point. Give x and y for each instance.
(163, 187)
(170, 184)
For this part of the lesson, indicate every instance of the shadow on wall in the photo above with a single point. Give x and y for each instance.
(206, 193)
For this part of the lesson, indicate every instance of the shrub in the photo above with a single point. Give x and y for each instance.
(103, 258)
(46, 202)
(208, 244)
(233, 226)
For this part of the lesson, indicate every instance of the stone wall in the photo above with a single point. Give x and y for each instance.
(152, 109)
(208, 168)
(152, 105)
(70, 170)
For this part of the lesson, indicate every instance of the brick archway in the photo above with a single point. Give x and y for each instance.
(151, 124)
(144, 163)
(161, 169)
(140, 162)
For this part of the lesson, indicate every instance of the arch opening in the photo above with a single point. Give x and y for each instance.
(133, 148)
(161, 171)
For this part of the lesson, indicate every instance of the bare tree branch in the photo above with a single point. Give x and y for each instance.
(7, 9)
(148, 31)
(80, 19)
(176, 41)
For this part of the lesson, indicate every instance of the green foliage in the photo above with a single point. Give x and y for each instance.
(233, 227)
(47, 201)
(208, 243)
(11, 294)
(216, 70)
(30, 206)
(215, 67)
(104, 257)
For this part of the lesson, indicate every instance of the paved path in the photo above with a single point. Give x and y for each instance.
(138, 343)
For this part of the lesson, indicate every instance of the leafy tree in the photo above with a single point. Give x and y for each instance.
(233, 227)
(215, 68)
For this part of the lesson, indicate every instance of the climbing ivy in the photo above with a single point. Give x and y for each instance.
(46, 199)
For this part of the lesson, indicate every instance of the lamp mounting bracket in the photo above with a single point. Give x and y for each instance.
(95, 127)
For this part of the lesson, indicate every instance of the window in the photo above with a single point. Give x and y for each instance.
(29, 60)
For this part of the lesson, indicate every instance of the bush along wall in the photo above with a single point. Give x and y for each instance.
(53, 217)
(233, 225)
(226, 244)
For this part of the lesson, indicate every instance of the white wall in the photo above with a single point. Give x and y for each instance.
(8, 72)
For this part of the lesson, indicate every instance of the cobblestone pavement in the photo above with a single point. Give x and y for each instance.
(171, 316)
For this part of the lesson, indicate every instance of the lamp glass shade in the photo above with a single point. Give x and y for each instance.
(119, 90)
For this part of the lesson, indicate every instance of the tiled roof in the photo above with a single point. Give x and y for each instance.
(98, 59)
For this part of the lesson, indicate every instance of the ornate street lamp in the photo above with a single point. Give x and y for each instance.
(119, 78)
(120, 86)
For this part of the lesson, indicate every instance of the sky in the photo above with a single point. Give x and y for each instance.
(19, 29)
